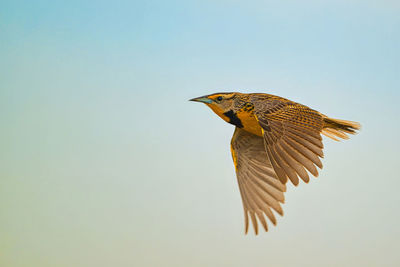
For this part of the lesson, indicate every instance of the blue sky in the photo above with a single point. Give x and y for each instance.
(105, 162)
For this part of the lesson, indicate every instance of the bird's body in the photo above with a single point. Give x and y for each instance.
(275, 140)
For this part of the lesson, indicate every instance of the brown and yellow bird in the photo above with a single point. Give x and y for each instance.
(275, 139)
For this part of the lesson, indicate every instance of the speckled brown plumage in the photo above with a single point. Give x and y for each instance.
(275, 140)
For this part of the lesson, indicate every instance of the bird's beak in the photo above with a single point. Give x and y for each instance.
(202, 99)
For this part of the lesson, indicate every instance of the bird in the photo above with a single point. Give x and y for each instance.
(275, 140)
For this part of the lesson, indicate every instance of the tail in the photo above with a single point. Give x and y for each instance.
(334, 128)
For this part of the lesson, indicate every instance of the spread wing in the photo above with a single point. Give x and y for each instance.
(292, 135)
(259, 187)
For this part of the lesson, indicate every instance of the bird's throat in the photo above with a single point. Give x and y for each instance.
(233, 118)
(243, 118)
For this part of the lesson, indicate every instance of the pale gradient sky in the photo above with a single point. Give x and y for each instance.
(104, 162)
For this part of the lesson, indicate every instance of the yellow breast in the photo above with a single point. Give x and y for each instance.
(249, 122)
(245, 115)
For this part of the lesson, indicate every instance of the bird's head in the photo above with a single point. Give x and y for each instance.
(223, 104)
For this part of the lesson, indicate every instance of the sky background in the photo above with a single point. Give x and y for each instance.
(104, 162)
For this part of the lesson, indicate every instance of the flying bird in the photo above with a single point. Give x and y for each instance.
(275, 140)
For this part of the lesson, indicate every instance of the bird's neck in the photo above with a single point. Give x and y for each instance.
(243, 118)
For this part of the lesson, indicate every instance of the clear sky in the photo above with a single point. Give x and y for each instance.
(104, 162)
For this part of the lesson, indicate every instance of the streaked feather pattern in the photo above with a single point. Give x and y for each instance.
(275, 140)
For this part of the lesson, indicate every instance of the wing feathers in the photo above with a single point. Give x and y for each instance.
(303, 154)
(305, 136)
(261, 218)
(292, 162)
(310, 146)
(290, 147)
(288, 170)
(278, 170)
(265, 198)
(307, 132)
(293, 141)
(259, 185)
(275, 193)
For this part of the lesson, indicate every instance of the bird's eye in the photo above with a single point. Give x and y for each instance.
(219, 98)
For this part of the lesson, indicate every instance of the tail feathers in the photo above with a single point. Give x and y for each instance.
(335, 128)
